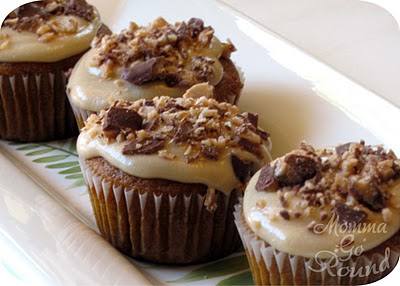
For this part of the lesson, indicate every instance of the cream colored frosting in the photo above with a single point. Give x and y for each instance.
(25, 46)
(261, 212)
(217, 175)
(171, 161)
(88, 90)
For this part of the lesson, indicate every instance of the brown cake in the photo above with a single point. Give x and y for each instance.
(39, 44)
(164, 174)
(153, 60)
(328, 216)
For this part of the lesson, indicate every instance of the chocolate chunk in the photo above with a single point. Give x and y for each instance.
(242, 168)
(264, 135)
(30, 10)
(30, 24)
(347, 215)
(118, 119)
(143, 146)
(141, 73)
(79, 8)
(266, 180)
(340, 150)
(373, 197)
(30, 17)
(182, 31)
(252, 117)
(196, 25)
(250, 146)
(182, 133)
(300, 168)
(209, 152)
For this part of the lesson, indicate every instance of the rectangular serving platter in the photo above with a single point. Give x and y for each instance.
(47, 230)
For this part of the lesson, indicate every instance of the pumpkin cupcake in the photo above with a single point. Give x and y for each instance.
(154, 60)
(328, 216)
(164, 174)
(39, 43)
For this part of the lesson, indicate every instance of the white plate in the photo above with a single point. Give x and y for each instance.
(47, 230)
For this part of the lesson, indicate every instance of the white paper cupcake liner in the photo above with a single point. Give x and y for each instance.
(34, 107)
(81, 115)
(160, 227)
(272, 267)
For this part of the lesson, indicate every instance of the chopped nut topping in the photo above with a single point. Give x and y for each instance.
(37, 18)
(348, 181)
(159, 125)
(158, 52)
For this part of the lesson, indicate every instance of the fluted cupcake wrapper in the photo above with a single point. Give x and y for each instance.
(272, 267)
(34, 107)
(81, 115)
(162, 228)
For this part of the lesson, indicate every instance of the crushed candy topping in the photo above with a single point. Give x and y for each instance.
(159, 52)
(348, 181)
(197, 126)
(36, 17)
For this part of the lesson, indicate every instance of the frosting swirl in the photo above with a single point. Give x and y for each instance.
(335, 199)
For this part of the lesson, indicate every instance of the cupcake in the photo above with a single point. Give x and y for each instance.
(39, 43)
(164, 174)
(160, 59)
(328, 216)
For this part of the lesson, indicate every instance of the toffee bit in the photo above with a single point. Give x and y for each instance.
(209, 152)
(182, 133)
(263, 135)
(241, 168)
(284, 214)
(297, 214)
(283, 201)
(300, 168)
(341, 149)
(266, 181)
(372, 197)
(252, 118)
(118, 119)
(349, 216)
(140, 73)
(146, 146)
(250, 146)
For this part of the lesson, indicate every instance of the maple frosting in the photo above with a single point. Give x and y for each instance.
(48, 31)
(190, 139)
(147, 61)
(326, 202)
